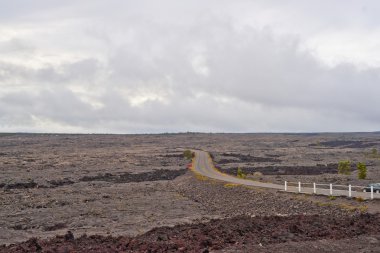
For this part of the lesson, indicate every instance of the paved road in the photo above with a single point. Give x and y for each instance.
(204, 165)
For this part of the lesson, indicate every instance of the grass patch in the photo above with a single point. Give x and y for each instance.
(324, 204)
(347, 207)
(231, 185)
(200, 177)
(359, 199)
(351, 208)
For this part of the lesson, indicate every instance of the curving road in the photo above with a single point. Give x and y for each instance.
(203, 164)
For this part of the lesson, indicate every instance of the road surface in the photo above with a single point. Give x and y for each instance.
(204, 165)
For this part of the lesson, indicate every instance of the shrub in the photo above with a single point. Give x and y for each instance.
(362, 168)
(240, 173)
(188, 154)
(373, 154)
(344, 167)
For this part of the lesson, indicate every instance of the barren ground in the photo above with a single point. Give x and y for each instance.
(127, 185)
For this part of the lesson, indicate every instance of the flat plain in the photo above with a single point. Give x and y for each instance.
(135, 193)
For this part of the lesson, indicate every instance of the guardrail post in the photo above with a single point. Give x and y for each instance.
(349, 191)
(299, 186)
(314, 188)
(371, 191)
(286, 186)
(331, 190)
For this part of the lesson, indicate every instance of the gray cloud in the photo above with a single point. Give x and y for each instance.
(148, 67)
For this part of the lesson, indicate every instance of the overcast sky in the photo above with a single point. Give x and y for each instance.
(120, 66)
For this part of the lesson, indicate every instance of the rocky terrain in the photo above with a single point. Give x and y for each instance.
(305, 157)
(242, 233)
(229, 200)
(133, 193)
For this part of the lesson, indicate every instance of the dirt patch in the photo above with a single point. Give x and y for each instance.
(214, 235)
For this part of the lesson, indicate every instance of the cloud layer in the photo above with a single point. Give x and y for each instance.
(126, 67)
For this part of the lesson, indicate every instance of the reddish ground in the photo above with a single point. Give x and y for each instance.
(239, 232)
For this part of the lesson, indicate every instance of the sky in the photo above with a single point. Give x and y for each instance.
(121, 66)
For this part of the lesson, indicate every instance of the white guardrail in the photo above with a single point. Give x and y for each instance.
(330, 189)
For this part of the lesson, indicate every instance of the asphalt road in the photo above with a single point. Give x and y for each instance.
(204, 165)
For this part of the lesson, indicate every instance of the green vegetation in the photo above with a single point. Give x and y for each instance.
(332, 197)
(188, 154)
(353, 208)
(348, 207)
(362, 168)
(200, 177)
(344, 167)
(373, 154)
(240, 173)
(230, 185)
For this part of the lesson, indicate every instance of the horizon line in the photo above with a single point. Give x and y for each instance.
(195, 132)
